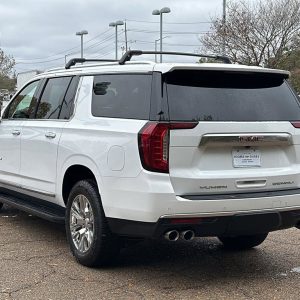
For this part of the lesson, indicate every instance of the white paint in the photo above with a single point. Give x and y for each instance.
(295, 270)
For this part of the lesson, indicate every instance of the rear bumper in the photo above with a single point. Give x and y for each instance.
(150, 196)
(240, 223)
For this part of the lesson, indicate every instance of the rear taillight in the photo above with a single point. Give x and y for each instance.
(296, 124)
(153, 141)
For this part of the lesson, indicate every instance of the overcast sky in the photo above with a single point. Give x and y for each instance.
(39, 33)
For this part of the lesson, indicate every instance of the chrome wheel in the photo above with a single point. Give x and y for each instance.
(82, 223)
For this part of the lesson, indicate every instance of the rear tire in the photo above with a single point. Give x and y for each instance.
(88, 234)
(1, 205)
(243, 242)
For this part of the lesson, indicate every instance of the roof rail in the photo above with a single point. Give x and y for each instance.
(74, 61)
(128, 55)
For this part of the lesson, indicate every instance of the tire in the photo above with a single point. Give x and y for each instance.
(243, 242)
(88, 234)
(1, 205)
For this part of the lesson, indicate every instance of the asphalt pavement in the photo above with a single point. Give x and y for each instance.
(35, 263)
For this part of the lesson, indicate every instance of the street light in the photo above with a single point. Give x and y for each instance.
(160, 13)
(116, 24)
(82, 33)
(156, 45)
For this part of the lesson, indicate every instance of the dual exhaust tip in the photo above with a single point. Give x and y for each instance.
(174, 235)
(188, 235)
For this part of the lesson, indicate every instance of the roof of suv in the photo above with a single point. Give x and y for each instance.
(125, 65)
(148, 66)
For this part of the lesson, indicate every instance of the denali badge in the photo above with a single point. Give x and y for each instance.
(283, 183)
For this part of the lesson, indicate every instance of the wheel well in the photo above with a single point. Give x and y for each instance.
(74, 174)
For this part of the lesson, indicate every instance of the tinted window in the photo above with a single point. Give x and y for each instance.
(67, 106)
(52, 98)
(230, 96)
(121, 96)
(24, 103)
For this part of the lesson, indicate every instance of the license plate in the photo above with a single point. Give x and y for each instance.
(245, 158)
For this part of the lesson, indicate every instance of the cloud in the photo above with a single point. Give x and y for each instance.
(34, 29)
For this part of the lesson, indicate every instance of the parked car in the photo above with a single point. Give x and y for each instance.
(143, 150)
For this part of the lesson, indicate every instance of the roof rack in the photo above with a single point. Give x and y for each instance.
(74, 61)
(128, 55)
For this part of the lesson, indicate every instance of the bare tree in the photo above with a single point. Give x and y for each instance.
(7, 75)
(259, 33)
(6, 64)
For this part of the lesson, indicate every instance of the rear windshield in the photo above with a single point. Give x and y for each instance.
(230, 96)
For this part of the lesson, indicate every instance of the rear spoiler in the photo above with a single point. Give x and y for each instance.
(230, 68)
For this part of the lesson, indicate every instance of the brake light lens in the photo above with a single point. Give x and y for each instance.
(296, 124)
(153, 142)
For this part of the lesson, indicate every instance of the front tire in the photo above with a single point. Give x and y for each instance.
(243, 242)
(88, 234)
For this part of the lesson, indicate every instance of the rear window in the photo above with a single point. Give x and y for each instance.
(122, 96)
(230, 96)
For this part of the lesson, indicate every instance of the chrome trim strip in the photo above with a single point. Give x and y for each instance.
(18, 186)
(246, 139)
(38, 192)
(229, 213)
(242, 195)
(11, 184)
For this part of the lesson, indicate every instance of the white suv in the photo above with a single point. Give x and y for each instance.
(143, 150)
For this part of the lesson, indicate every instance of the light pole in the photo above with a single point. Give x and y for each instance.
(156, 49)
(116, 24)
(82, 33)
(160, 13)
(156, 45)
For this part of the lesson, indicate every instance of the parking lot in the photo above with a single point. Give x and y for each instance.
(36, 263)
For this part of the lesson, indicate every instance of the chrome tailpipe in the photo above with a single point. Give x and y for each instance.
(187, 235)
(172, 235)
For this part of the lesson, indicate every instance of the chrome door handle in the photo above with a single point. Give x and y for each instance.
(16, 132)
(50, 135)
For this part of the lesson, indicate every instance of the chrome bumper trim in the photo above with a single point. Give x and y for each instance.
(228, 213)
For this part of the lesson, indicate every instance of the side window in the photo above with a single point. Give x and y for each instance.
(52, 97)
(24, 103)
(122, 96)
(67, 106)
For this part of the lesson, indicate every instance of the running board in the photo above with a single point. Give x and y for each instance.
(34, 206)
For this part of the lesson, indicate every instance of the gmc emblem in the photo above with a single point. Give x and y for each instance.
(252, 138)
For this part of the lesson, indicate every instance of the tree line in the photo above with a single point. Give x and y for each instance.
(261, 33)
